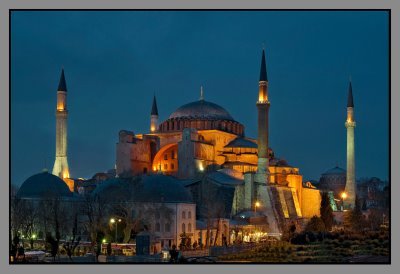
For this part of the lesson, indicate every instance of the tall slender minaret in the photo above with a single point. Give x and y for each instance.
(154, 116)
(60, 168)
(263, 109)
(349, 201)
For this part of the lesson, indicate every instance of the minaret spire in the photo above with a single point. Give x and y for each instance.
(61, 168)
(263, 70)
(263, 112)
(201, 93)
(154, 116)
(154, 109)
(350, 103)
(350, 124)
(62, 85)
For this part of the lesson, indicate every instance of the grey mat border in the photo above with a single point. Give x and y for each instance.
(5, 5)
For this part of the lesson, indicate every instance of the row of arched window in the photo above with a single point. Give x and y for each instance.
(167, 227)
(230, 126)
(189, 215)
(189, 227)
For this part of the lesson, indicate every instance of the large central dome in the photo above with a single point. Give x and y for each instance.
(201, 110)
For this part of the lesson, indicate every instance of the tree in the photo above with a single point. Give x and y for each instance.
(93, 209)
(315, 224)
(70, 246)
(326, 211)
(354, 218)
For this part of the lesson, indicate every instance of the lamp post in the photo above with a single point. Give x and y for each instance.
(343, 195)
(112, 220)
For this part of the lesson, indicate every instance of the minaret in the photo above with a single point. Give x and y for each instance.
(263, 110)
(350, 124)
(60, 168)
(154, 116)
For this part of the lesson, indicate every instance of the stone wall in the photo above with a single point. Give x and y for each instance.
(311, 202)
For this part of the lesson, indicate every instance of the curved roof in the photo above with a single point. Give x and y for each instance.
(201, 110)
(151, 188)
(242, 142)
(43, 184)
(335, 171)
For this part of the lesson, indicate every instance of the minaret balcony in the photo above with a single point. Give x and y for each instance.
(350, 124)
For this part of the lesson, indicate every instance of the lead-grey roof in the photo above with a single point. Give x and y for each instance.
(224, 179)
(242, 142)
(43, 184)
(334, 171)
(202, 110)
(148, 188)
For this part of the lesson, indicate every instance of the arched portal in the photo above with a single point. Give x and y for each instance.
(166, 159)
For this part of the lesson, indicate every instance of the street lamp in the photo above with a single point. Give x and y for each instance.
(257, 204)
(343, 195)
(112, 220)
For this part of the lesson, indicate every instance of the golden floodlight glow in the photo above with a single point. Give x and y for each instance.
(154, 168)
(343, 195)
(257, 204)
(201, 167)
(65, 174)
(112, 220)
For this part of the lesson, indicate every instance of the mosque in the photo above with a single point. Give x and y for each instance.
(201, 139)
(200, 150)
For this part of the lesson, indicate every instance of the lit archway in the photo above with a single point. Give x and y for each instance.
(166, 159)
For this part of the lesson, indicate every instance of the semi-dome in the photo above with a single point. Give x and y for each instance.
(202, 110)
(42, 185)
(148, 188)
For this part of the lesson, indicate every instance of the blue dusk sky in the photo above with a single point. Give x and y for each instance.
(115, 61)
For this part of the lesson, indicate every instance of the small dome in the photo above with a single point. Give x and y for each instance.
(242, 143)
(334, 171)
(43, 184)
(201, 110)
(333, 180)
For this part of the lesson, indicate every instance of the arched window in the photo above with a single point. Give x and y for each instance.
(183, 227)
(183, 214)
(189, 227)
(158, 227)
(189, 215)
